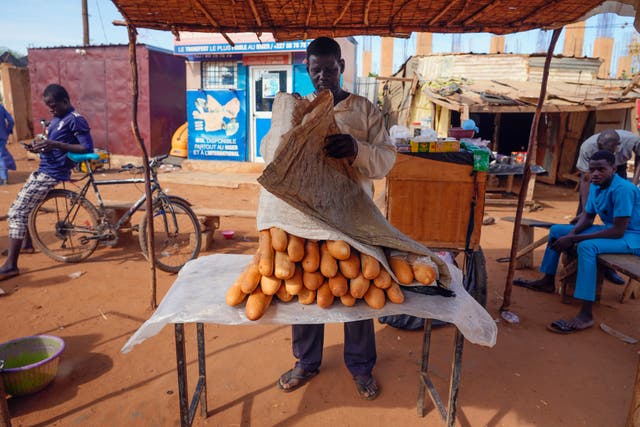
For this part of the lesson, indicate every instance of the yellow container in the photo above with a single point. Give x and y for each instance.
(98, 163)
(418, 146)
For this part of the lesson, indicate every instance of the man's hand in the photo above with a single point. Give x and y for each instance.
(43, 145)
(341, 146)
(562, 244)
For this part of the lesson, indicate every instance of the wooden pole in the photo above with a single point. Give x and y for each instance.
(533, 138)
(633, 419)
(5, 419)
(85, 23)
(145, 161)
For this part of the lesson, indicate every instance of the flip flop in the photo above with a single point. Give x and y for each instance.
(294, 374)
(562, 327)
(9, 274)
(363, 384)
(529, 285)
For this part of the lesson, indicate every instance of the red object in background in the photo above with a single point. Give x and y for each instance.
(98, 79)
(638, 114)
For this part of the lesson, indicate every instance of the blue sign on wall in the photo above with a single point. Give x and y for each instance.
(217, 124)
(252, 47)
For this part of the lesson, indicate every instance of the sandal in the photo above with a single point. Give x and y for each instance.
(530, 284)
(367, 387)
(565, 327)
(296, 377)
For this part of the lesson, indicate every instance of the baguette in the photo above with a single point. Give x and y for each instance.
(339, 249)
(311, 260)
(350, 268)
(283, 295)
(294, 284)
(402, 270)
(250, 278)
(312, 281)
(257, 304)
(423, 273)
(284, 268)
(394, 293)
(338, 285)
(324, 297)
(265, 265)
(269, 284)
(279, 239)
(358, 286)
(347, 300)
(375, 297)
(383, 281)
(235, 296)
(306, 297)
(370, 266)
(328, 264)
(295, 248)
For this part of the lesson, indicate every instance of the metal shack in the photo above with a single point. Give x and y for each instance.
(231, 89)
(98, 79)
(500, 92)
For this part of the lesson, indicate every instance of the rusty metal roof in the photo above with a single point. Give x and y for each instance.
(303, 19)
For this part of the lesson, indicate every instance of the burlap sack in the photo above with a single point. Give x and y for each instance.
(326, 188)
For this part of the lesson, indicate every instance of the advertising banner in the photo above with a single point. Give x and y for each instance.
(217, 124)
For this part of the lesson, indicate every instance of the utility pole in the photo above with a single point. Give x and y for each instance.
(85, 24)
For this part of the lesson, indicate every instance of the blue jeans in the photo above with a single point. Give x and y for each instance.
(588, 250)
(6, 160)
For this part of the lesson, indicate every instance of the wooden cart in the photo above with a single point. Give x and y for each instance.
(438, 199)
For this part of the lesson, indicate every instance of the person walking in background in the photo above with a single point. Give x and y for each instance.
(6, 159)
(67, 132)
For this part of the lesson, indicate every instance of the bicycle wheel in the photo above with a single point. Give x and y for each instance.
(64, 226)
(176, 232)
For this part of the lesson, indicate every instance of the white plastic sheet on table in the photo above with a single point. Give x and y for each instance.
(198, 295)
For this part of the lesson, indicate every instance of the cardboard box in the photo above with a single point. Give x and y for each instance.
(434, 146)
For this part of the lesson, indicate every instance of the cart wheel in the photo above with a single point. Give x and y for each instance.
(475, 278)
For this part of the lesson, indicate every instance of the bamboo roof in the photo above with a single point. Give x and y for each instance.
(519, 97)
(304, 19)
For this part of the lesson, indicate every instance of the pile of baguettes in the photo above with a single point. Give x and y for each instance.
(287, 266)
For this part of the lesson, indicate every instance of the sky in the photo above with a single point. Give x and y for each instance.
(48, 23)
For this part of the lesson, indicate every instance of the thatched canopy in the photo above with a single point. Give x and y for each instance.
(303, 19)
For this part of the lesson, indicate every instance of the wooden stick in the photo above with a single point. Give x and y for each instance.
(342, 12)
(212, 20)
(254, 10)
(533, 136)
(442, 12)
(366, 13)
(145, 161)
(633, 419)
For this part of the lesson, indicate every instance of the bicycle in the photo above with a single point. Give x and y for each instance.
(67, 227)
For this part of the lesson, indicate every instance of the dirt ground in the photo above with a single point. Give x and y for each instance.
(530, 378)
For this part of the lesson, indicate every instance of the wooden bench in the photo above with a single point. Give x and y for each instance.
(526, 244)
(209, 218)
(624, 263)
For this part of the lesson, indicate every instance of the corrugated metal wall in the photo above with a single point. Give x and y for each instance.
(98, 80)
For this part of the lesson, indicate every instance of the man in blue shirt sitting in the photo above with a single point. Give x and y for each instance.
(67, 132)
(617, 202)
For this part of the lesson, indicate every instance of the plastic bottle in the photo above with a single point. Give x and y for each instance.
(426, 123)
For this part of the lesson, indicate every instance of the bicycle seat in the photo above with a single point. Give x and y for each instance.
(81, 157)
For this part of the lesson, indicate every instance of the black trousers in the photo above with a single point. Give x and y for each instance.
(359, 346)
